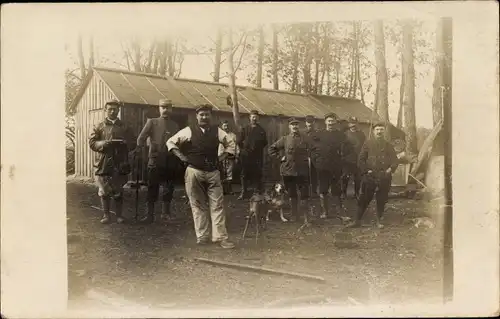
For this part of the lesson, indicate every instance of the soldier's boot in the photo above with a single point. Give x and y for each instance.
(243, 189)
(166, 213)
(230, 187)
(294, 210)
(357, 223)
(150, 215)
(380, 216)
(324, 206)
(105, 203)
(119, 210)
(308, 210)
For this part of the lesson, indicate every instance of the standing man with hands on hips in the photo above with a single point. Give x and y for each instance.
(197, 147)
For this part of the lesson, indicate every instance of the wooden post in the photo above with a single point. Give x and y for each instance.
(447, 130)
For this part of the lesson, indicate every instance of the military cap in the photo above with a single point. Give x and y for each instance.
(165, 102)
(377, 124)
(353, 119)
(113, 102)
(292, 120)
(254, 112)
(224, 122)
(204, 107)
(331, 115)
(310, 119)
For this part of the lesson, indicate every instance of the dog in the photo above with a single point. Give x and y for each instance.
(271, 201)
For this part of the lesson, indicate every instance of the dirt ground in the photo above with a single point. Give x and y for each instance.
(153, 265)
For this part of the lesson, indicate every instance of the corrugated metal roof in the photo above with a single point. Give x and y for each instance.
(142, 88)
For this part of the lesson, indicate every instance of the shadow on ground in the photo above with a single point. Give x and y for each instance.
(154, 265)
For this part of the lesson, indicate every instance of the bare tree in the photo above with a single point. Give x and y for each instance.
(233, 101)
(91, 52)
(275, 58)
(437, 107)
(81, 58)
(260, 57)
(409, 92)
(381, 104)
(218, 55)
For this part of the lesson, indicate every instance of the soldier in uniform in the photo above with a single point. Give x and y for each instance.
(293, 150)
(197, 145)
(377, 162)
(311, 132)
(328, 159)
(356, 139)
(161, 163)
(252, 141)
(111, 139)
(227, 165)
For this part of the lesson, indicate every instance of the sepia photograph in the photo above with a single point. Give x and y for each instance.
(268, 165)
(281, 165)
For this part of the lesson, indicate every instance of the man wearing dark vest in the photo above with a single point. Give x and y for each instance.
(312, 132)
(328, 159)
(111, 139)
(377, 162)
(161, 163)
(196, 145)
(251, 142)
(356, 138)
(293, 150)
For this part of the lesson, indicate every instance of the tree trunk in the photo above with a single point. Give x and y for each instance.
(409, 98)
(275, 58)
(362, 94)
(170, 58)
(157, 59)
(401, 95)
(136, 47)
(355, 60)
(149, 61)
(81, 59)
(437, 93)
(91, 49)
(382, 100)
(218, 55)
(351, 74)
(163, 60)
(232, 83)
(260, 58)
(295, 74)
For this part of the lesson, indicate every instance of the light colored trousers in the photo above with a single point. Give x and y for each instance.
(204, 190)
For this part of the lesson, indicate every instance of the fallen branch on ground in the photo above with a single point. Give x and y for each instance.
(99, 208)
(297, 300)
(261, 269)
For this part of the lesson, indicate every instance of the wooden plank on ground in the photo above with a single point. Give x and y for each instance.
(261, 269)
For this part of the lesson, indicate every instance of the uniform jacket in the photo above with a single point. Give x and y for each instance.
(377, 156)
(356, 140)
(295, 149)
(330, 149)
(156, 132)
(251, 142)
(114, 157)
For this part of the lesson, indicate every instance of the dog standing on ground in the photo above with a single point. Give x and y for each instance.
(272, 201)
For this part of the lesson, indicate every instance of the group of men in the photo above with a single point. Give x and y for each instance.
(314, 161)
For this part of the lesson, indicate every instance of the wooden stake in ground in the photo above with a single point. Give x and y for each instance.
(261, 269)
